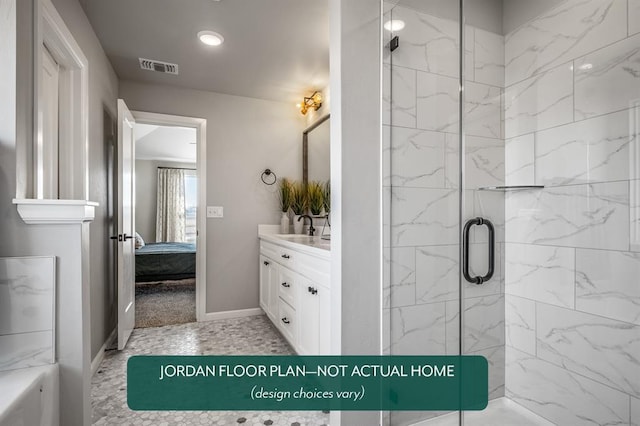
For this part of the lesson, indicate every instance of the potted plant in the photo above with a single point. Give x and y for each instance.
(326, 197)
(285, 196)
(299, 204)
(315, 194)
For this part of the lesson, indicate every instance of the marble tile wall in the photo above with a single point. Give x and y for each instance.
(27, 313)
(421, 190)
(572, 299)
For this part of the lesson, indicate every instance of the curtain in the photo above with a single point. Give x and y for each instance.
(170, 220)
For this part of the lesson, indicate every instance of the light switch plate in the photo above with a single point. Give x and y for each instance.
(215, 212)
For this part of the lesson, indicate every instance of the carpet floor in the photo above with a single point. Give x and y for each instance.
(163, 303)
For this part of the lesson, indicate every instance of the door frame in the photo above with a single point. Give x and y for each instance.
(200, 125)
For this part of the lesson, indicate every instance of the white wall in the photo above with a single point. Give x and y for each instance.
(244, 137)
(146, 195)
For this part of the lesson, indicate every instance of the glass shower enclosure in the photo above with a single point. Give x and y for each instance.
(511, 188)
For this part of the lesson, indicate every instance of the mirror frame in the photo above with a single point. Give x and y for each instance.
(305, 147)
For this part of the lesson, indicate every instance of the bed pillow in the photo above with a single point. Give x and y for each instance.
(139, 241)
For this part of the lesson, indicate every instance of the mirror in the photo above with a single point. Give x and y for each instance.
(316, 151)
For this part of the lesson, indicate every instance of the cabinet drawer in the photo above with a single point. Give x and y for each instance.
(269, 250)
(287, 322)
(287, 287)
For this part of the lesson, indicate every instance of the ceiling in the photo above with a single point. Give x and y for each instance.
(276, 50)
(165, 143)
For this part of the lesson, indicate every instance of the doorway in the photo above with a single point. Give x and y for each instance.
(169, 182)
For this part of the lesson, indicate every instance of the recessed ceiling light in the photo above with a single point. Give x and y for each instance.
(394, 25)
(210, 38)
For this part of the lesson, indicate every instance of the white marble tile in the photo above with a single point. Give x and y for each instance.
(429, 43)
(609, 79)
(495, 359)
(386, 331)
(634, 19)
(561, 396)
(572, 29)
(540, 102)
(489, 205)
(483, 110)
(607, 284)
(484, 161)
(587, 216)
(421, 217)
(452, 315)
(26, 350)
(519, 156)
(635, 412)
(27, 294)
(601, 349)
(418, 330)
(401, 263)
(437, 103)
(400, 105)
(593, 150)
(489, 58)
(483, 323)
(416, 158)
(520, 323)
(634, 215)
(437, 273)
(541, 273)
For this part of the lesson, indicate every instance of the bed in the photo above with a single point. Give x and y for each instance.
(165, 261)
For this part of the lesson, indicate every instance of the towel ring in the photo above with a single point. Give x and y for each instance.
(267, 173)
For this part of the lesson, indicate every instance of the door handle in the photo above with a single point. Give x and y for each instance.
(128, 237)
(465, 250)
(116, 237)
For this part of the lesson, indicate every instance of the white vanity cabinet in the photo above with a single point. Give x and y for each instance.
(294, 292)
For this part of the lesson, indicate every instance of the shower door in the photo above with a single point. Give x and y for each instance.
(511, 202)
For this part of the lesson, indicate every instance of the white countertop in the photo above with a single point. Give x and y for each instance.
(315, 245)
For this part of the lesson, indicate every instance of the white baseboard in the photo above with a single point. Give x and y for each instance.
(240, 313)
(100, 355)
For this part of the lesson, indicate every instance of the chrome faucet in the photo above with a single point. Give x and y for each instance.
(311, 228)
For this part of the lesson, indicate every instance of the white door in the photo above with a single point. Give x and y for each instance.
(126, 225)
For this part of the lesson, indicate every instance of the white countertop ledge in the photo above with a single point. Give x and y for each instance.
(302, 243)
(55, 212)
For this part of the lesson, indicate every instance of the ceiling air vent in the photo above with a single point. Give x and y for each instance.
(159, 66)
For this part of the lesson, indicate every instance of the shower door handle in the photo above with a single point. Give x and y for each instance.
(465, 250)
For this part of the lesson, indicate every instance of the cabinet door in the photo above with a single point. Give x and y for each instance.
(274, 284)
(308, 318)
(265, 268)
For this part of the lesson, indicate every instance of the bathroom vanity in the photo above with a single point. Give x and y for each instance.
(295, 289)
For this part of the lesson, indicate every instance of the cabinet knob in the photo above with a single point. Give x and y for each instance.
(286, 285)
(266, 263)
(312, 290)
(285, 320)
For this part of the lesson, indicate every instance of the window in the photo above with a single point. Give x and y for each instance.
(190, 205)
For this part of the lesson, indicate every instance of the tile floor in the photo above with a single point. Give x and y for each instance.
(240, 336)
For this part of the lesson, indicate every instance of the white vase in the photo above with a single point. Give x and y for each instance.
(298, 225)
(284, 223)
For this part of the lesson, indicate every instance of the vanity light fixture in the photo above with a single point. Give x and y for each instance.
(394, 25)
(210, 38)
(314, 101)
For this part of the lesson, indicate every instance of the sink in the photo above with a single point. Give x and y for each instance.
(315, 241)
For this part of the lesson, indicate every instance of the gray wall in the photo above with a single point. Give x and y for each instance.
(146, 195)
(103, 93)
(355, 172)
(244, 136)
(103, 88)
